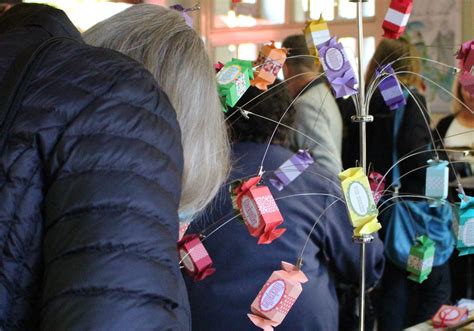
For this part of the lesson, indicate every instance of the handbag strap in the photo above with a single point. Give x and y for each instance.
(397, 123)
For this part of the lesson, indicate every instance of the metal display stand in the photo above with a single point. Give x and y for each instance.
(362, 119)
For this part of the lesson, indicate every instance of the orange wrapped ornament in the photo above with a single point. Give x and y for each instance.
(269, 62)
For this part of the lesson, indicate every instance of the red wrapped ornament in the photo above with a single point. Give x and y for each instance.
(277, 296)
(259, 211)
(194, 257)
(396, 18)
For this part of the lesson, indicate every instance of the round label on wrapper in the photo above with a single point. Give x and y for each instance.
(334, 59)
(187, 262)
(228, 75)
(250, 212)
(449, 314)
(272, 295)
(358, 199)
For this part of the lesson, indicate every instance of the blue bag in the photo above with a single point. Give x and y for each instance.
(405, 219)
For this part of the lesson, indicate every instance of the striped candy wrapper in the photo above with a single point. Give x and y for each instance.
(291, 169)
(390, 88)
(397, 18)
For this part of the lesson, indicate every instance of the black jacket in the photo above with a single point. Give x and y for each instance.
(90, 171)
(414, 136)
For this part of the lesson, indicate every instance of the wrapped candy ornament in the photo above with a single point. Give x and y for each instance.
(390, 88)
(233, 80)
(466, 57)
(359, 201)
(377, 185)
(465, 238)
(272, 60)
(194, 257)
(338, 68)
(448, 316)
(316, 32)
(466, 79)
(291, 169)
(437, 179)
(259, 211)
(397, 18)
(420, 260)
(277, 296)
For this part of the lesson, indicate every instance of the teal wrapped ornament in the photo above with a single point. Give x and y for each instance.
(465, 233)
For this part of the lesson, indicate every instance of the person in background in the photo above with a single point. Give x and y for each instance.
(403, 301)
(317, 114)
(7, 4)
(91, 167)
(160, 39)
(222, 300)
(456, 131)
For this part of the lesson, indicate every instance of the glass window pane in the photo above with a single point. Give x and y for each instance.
(248, 13)
(348, 10)
(318, 7)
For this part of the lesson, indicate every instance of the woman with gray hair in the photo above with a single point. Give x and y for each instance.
(161, 40)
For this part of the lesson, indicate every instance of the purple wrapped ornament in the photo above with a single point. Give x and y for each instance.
(339, 70)
(291, 169)
(390, 88)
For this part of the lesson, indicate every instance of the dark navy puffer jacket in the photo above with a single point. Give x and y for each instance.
(90, 170)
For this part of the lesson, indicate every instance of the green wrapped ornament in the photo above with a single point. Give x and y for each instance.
(420, 260)
(465, 234)
(233, 80)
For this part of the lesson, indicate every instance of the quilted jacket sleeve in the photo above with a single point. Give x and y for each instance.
(111, 221)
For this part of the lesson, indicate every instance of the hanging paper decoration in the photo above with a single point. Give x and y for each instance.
(291, 169)
(377, 185)
(195, 258)
(338, 68)
(437, 179)
(218, 66)
(233, 80)
(465, 242)
(466, 79)
(316, 32)
(390, 87)
(277, 296)
(259, 211)
(359, 201)
(466, 56)
(268, 68)
(184, 12)
(448, 316)
(396, 18)
(420, 260)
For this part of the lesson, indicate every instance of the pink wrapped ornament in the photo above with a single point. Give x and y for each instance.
(377, 185)
(277, 296)
(448, 316)
(466, 56)
(195, 258)
(396, 18)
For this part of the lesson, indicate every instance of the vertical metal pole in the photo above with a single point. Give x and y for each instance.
(363, 153)
(362, 119)
(363, 108)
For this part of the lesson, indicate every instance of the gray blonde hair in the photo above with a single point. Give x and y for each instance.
(160, 39)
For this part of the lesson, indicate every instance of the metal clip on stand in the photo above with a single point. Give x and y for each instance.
(362, 119)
